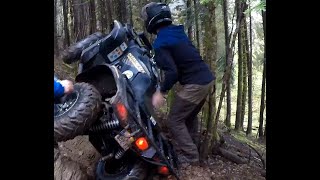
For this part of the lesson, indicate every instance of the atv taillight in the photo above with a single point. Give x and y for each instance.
(142, 143)
(163, 170)
(122, 111)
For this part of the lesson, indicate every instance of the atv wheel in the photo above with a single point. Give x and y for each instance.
(77, 113)
(126, 168)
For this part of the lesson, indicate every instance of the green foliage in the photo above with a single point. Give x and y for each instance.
(261, 6)
(241, 136)
(220, 2)
(203, 2)
(170, 97)
(258, 47)
(221, 64)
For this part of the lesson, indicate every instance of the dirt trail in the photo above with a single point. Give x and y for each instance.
(80, 151)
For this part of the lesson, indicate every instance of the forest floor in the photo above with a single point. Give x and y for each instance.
(217, 167)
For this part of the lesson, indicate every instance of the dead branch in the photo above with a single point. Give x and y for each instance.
(260, 156)
(231, 156)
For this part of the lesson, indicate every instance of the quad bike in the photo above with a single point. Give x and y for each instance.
(112, 105)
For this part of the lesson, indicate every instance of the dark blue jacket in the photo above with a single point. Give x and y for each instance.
(58, 89)
(179, 59)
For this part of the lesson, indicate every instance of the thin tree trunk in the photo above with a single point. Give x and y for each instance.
(245, 55)
(98, 13)
(120, 10)
(77, 20)
(265, 131)
(213, 63)
(227, 44)
(104, 15)
(240, 73)
(227, 73)
(82, 20)
(205, 145)
(109, 11)
(55, 40)
(240, 88)
(244, 90)
(65, 23)
(93, 18)
(189, 21)
(123, 11)
(249, 126)
(262, 106)
(201, 125)
(196, 14)
(71, 22)
(129, 12)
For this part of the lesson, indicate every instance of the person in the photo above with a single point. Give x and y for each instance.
(181, 62)
(62, 87)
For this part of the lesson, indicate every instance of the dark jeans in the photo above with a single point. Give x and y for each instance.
(183, 121)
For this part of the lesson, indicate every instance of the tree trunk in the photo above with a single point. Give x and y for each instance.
(76, 15)
(249, 126)
(120, 10)
(265, 130)
(93, 18)
(82, 19)
(189, 20)
(65, 23)
(196, 14)
(123, 11)
(227, 44)
(98, 13)
(240, 73)
(244, 90)
(104, 5)
(239, 95)
(55, 40)
(245, 55)
(227, 73)
(71, 22)
(204, 149)
(129, 12)
(210, 44)
(262, 104)
(109, 17)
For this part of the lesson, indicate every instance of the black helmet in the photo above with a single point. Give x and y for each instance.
(154, 15)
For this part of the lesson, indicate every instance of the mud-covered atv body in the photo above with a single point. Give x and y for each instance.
(119, 70)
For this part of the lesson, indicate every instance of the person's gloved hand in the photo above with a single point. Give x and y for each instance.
(68, 86)
(158, 99)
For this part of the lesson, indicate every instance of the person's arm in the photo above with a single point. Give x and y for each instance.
(165, 62)
(58, 89)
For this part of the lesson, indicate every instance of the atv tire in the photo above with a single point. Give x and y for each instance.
(134, 170)
(77, 118)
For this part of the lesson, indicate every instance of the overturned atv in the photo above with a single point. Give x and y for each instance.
(112, 104)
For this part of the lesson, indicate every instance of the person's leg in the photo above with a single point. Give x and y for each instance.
(192, 122)
(185, 107)
(183, 144)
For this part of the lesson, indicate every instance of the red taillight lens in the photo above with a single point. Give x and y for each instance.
(122, 111)
(163, 170)
(142, 143)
